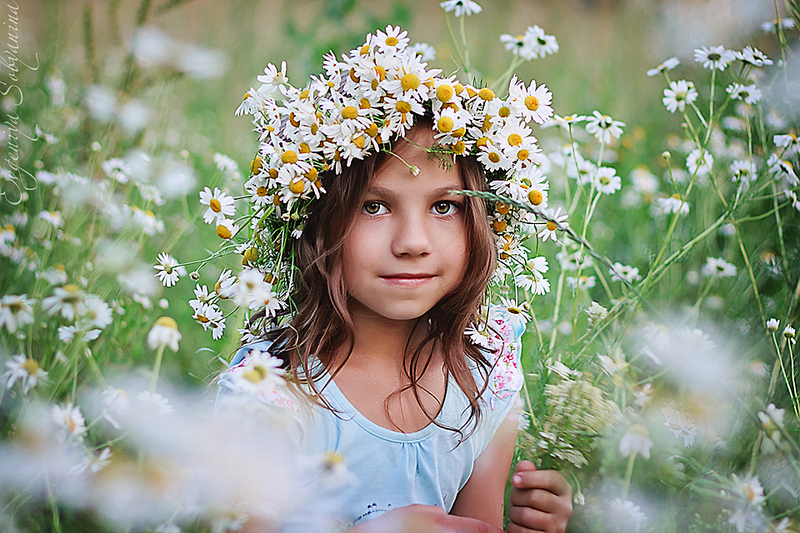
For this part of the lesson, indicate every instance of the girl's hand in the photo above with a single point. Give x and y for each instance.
(541, 500)
(423, 519)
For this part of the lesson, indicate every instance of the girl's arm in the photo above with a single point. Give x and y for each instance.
(482, 496)
(541, 500)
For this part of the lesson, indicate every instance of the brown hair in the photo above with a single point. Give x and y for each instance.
(322, 322)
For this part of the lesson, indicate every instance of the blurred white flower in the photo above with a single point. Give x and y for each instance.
(26, 371)
(666, 66)
(133, 116)
(716, 266)
(68, 417)
(636, 440)
(101, 103)
(603, 127)
(164, 333)
(425, 51)
(461, 7)
(68, 300)
(117, 169)
(680, 423)
(625, 512)
(699, 162)
(715, 57)
(749, 93)
(678, 95)
(15, 311)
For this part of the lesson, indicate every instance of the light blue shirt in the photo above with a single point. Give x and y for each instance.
(394, 469)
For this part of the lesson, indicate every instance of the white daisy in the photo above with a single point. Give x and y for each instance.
(636, 440)
(117, 169)
(753, 56)
(15, 311)
(715, 57)
(628, 273)
(424, 51)
(532, 103)
(674, 204)
(716, 266)
(164, 333)
(699, 162)
(788, 142)
(461, 7)
(69, 418)
(155, 403)
(603, 127)
(772, 26)
(26, 370)
(555, 221)
(749, 93)
(69, 300)
(168, 269)
(220, 205)
(666, 66)
(744, 171)
(606, 180)
(680, 423)
(98, 312)
(678, 95)
(538, 44)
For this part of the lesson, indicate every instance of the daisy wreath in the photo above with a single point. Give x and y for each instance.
(359, 106)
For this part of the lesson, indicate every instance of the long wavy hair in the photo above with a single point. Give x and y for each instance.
(322, 323)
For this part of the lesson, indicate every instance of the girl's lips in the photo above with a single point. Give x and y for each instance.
(408, 280)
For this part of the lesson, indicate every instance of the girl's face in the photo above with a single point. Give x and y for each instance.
(407, 247)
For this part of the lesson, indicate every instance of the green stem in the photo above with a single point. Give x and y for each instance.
(628, 475)
(157, 367)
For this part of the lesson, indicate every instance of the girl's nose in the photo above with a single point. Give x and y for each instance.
(412, 237)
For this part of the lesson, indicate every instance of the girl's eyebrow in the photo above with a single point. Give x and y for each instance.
(441, 191)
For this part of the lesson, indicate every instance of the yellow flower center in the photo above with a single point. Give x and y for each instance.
(359, 141)
(494, 157)
(458, 88)
(289, 157)
(249, 256)
(487, 123)
(515, 139)
(381, 72)
(293, 120)
(391, 41)
(30, 366)
(483, 141)
(459, 132)
(523, 154)
(552, 226)
(503, 208)
(273, 173)
(215, 205)
(444, 124)
(499, 225)
(514, 310)
(403, 107)
(202, 319)
(276, 200)
(255, 165)
(312, 174)
(459, 147)
(364, 50)
(350, 112)
(536, 197)
(444, 93)
(353, 75)
(372, 130)
(297, 187)
(223, 232)
(532, 103)
(504, 112)
(364, 103)
(486, 94)
(167, 321)
(410, 82)
(305, 148)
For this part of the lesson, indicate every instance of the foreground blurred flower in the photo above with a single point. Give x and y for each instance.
(69, 418)
(627, 513)
(680, 423)
(164, 333)
(27, 371)
(15, 311)
(636, 440)
(771, 423)
(749, 93)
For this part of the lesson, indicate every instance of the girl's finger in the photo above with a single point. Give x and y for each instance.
(532, 519)
(540, 499)
(469, 525)
(541, 479)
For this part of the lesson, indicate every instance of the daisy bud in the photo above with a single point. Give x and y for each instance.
(414, 170)
(789, 332)
(195, 275)
(772, 325)
(666, 155)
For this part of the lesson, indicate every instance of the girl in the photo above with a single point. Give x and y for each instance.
(393, 266)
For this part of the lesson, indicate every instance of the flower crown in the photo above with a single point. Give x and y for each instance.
(358, 107)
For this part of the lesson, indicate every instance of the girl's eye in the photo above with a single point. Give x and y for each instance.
(374, 208)
(445, 208)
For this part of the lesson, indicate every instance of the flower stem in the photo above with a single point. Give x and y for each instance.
(157, 367)
(628, 476)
